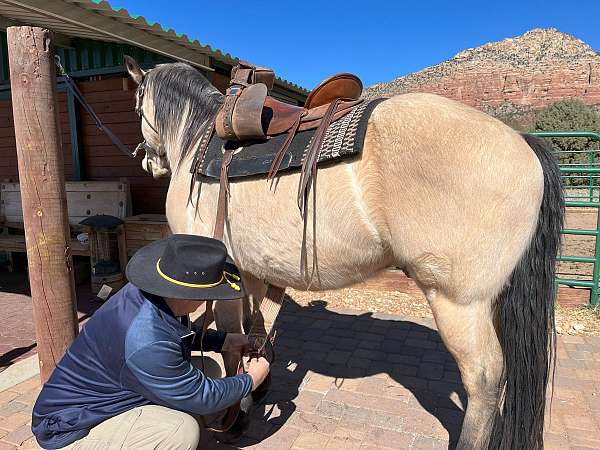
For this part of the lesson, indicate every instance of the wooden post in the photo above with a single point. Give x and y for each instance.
(43, 198)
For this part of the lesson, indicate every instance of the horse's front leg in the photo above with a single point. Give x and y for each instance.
(236, 316)
(228, 317)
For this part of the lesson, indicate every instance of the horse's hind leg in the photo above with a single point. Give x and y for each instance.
(469, 334)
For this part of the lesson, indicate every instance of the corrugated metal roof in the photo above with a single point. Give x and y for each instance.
(98, 20)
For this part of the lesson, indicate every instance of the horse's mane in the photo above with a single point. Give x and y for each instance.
(184, 103)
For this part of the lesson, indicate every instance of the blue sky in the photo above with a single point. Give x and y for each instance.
(308, 40)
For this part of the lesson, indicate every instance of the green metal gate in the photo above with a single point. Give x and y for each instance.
(585, 194)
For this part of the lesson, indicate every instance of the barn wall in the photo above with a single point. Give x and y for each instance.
(8, 150)
(113, 100)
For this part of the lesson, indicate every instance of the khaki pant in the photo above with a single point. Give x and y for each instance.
(148, 427)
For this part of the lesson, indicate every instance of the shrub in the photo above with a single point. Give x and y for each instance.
(570, 115)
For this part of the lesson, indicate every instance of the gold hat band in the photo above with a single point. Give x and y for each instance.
(224, 277)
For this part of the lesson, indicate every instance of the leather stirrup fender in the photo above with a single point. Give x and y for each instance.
(247, 114)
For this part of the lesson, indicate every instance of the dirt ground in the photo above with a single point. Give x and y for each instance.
(392, 293)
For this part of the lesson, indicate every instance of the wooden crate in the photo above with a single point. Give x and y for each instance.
(144, 229)
(84, 199)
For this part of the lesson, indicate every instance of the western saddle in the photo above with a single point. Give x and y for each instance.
(249, 113)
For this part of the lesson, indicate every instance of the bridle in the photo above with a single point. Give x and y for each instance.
(140, 112)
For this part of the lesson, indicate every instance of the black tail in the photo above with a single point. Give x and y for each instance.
(525, 310)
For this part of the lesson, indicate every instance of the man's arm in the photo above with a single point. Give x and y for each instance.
(169, 380)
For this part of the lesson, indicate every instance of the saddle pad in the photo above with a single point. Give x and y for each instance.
(344, 138)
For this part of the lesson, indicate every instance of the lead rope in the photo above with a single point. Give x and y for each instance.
(72, 86)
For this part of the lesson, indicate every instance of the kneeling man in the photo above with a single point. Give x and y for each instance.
(127, 381)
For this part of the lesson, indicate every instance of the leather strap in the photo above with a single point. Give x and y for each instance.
(270, 305)
(264, 319)
(218, 233)
(312, 154)
(224, 120)
(219, 229)
(245, 74)
(308, 176)
(281, 152)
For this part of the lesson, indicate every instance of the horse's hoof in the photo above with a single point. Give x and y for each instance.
(236, 431)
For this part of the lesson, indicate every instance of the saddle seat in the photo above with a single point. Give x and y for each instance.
(249, 113)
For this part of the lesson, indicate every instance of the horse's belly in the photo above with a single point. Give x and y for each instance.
(342, 258)
(266, 238)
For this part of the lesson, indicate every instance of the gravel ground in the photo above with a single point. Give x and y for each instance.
(573, 321)
(366, 299)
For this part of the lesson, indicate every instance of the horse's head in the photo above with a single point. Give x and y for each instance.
(176, 103)
(155, 160)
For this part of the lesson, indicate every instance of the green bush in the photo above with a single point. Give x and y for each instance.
(570, 115)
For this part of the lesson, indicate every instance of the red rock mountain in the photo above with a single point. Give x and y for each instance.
(533, 70)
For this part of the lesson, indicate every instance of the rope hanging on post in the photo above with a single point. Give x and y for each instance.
(72, 86)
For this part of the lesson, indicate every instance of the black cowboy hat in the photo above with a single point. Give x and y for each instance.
(188, 267)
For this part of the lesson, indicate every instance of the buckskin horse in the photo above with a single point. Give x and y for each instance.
(467, 206)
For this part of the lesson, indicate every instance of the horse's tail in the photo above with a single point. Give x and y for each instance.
(525, 311)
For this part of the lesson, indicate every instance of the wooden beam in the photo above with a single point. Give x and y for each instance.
(44, 204)
(61, 40)
(115, 30)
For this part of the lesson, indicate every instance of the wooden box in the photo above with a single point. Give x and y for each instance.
(144, 229)
(84, 199)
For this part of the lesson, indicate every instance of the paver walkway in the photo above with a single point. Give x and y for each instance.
(17, 333)
(352, 380)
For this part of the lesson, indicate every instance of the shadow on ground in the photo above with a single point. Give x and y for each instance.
(314, 342)
(7, 358)
(14, 282)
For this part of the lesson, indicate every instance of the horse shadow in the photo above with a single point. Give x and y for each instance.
(335, 367)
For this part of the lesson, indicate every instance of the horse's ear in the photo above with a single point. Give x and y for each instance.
(133, 68)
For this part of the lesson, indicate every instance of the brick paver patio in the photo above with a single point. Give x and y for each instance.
(17, 333)
(354, 380)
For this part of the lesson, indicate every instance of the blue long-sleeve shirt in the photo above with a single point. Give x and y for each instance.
(132, 352)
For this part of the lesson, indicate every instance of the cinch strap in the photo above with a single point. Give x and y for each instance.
(224, 277)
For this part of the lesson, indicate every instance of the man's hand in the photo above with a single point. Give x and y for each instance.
(258, 369)
(235, 343)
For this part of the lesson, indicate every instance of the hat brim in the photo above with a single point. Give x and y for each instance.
(141, 271)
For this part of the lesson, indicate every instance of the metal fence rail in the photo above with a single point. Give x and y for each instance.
(586, 174)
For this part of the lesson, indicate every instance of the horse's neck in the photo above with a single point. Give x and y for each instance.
(180, 159)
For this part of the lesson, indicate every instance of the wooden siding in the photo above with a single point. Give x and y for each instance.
(113, 100)
(8, 151)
